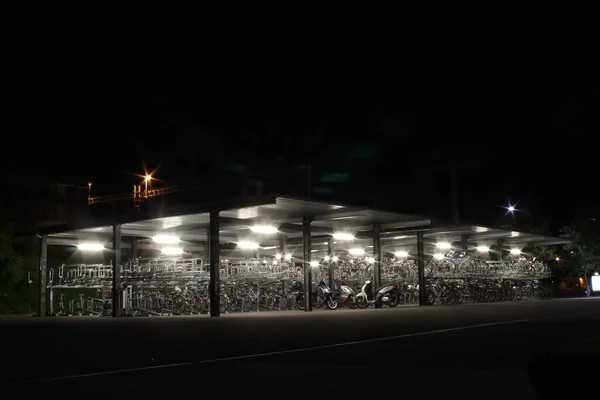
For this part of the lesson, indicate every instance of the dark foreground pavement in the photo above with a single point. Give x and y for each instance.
(480, 351)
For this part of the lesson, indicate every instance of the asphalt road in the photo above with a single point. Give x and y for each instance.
(472, 351)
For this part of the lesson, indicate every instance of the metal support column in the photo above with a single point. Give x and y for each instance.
(43, 276)
(116, 271)
(331, 263)
(377, 262)
(463, 243)
(134, 248)
(306, 238)
(421, 266)
(215, 281)
(282, 245)
(499, 250)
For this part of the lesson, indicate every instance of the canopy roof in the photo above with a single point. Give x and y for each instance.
(398, 230)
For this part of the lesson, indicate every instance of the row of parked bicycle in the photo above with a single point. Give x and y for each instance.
(161, 271)
(245, 296)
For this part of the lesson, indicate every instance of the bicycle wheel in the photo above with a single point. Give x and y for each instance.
(179, 304)
(247, 304)
(197, 305)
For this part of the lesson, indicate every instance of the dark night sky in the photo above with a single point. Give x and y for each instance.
(97, 109)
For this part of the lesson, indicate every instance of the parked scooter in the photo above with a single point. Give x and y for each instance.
(385, 295)
(346, 296)
(325, 294)
(322, 296)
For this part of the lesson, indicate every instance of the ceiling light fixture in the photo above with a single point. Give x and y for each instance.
(90, 246)
(248, 245)
(343, 236)
(165, 239)
(265, 229)
(172, 251)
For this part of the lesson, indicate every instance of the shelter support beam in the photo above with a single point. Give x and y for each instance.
(499, 245)
(306, 242)
(421, 267)
(134, 248)
(378, 259)
(116, 271)
(282, 245)
(332, 264)
(213, 256)
(43, 276)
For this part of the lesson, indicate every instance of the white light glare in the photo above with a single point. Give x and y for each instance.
(515, 252)
(326, 258)
(288, 257)
(266, 229)
(438, 256)
(335, 258)
(401, 254)
(343, 236)
(370, 260)
(248, 245)
(172, 251)
(483, 249)
(356, 252)
(165, 239)
(314, 263)
(443, 245)
(90, 246)
(278, 256)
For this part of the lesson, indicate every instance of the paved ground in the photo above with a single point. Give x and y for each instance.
(472, 351)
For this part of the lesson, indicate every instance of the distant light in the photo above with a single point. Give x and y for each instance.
(278, 256)
(356, 252)
(172, 251)
(288, 257)
(370, 260)
(401, 254)
(269, 247)
(266, 229)
(443, 245)
(511, 208)
(148, 178)
(326, 258)
(483, 249)
(248, 245)
(438, 256)
(165, 239)
(343, 236)
(557, 258)
(335, 258)
(90, 246)
(515, 252)
(314, 263)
